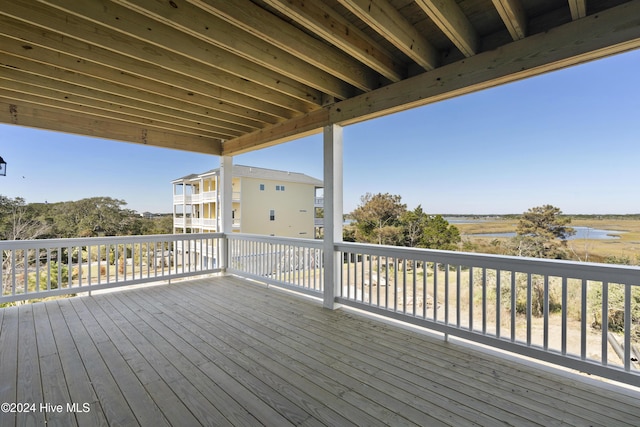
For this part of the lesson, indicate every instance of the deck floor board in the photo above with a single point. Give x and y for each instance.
(224, 351)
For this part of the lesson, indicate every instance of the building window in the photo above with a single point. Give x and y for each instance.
(279, 187)
(261, 187)
(272, 215)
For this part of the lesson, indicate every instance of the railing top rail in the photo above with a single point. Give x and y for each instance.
(110, 240)
(314, 243)
(562, 268)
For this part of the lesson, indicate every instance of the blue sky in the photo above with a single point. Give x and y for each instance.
(569, 138)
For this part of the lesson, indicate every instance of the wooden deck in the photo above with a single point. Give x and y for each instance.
(222, 351)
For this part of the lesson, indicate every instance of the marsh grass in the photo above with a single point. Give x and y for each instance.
(625, 247)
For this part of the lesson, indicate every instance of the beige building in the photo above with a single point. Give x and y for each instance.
(265, 201)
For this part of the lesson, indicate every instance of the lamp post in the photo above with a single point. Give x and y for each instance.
(3, 167)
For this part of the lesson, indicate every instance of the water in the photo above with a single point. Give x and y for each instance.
(581, 233)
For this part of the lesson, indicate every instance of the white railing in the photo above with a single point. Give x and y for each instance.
(547, 309)
(318, 202)
(318, 222)
(287, 262)
(32, 269)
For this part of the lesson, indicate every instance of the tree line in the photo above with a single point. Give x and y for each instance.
(90, 217)
(383, 219)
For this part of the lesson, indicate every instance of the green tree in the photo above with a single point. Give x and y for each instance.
(377, 219)
(542, 232)
(439, 234)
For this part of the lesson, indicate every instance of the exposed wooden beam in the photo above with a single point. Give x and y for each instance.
(65, 100)
(302, 126)
(70, 84)
(609, 32)
(513, 16)
(578, 9)
(253, 19)
(139, 53)
(448, 16)
(59, 66)
(233, 40)
(86, 55)
(390, 24)
(331, 26)
(23, 114)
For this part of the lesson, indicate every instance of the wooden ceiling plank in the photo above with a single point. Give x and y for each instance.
(65, 96)
(197, 23)
(612, 31)
(45, 99)
(61, 121)
(331, 26)
(62, 67)
(71, 83)
(85, 52)
(448, 16)
(148, 57)
(514, 17)
(390, 24)
(578, 9)
(129, 22)
(253, 19)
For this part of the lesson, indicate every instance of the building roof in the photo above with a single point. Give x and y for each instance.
(258, 173)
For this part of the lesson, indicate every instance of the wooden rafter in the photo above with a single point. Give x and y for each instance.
(331, 26)
(446, 14)
(513, 16)
(232, 41)
(578, 9)
(252, 19)
(391, 25)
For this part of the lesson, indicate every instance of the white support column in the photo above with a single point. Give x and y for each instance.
(333, 187)
(226, 200)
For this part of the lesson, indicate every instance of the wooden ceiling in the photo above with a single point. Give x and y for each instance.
(228, 76)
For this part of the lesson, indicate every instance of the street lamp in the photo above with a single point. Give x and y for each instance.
(3, 167)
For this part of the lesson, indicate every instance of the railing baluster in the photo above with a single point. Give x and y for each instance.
(529, 308)
(604, 310)
(565, 299)
(471, 298)
(484, 301)
(545, 305)
(513, 305)
(498, 303)
(583, 321)
(627, 327)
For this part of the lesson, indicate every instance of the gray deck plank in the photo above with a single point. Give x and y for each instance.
(113, 403)
(224, 351)
(8, 362)
(77, 380)
(54, 384)
(30, 384)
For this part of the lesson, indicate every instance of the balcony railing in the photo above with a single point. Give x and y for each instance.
(288, 262)
(32, 269)
(580, 315)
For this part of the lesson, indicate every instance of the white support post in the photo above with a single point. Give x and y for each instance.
(333, 201)
(226, 200)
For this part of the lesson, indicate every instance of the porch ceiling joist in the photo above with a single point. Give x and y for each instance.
(222, 77)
